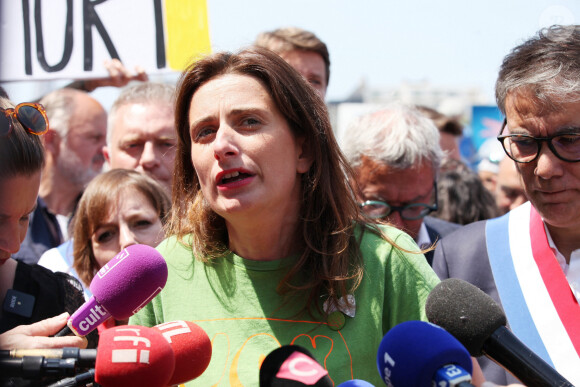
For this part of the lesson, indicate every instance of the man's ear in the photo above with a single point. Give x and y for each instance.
(51, 141)
(304, 155)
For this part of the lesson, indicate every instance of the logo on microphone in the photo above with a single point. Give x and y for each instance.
(301, 368)
(112, 263)
(131, 355)
(389, 364)
(94, 317)
(173, 328)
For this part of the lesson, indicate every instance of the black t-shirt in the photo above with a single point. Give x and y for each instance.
(50, 294)
(54, 293)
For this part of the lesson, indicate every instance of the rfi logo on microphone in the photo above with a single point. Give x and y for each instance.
(131, 355)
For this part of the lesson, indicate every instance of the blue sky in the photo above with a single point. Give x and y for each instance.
(448, 42)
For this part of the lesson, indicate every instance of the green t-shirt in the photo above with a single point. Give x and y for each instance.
(235, 301)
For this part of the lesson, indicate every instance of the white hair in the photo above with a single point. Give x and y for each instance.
(397, 135)
(60, 106)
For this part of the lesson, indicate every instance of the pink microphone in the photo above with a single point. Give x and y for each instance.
(121, 288)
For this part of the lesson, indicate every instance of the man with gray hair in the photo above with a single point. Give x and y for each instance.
(74, 155)
(141, 134)
(395, 154)
(528, 260)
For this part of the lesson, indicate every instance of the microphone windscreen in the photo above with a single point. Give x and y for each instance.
(292, 366)
(130, 280)
(465, 311)
(355, 383)
(191, 347)
(411, 353)
(131, 355)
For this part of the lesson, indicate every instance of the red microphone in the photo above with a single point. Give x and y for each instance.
(132, 355)
(191, 347)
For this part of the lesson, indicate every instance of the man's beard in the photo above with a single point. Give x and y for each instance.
(70, 166)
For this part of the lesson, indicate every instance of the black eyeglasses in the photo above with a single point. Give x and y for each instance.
(377, 209)
(525, 149)
(32, 116)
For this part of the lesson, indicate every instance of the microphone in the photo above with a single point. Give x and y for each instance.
(37, 367)
(132, 355)
(292, 366)
(417, 353)
(479, 323)
(355, 383)
(82, 357)
(191, 348)
(77, 380)
(120, 288)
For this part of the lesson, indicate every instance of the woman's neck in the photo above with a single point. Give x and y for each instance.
(267, 240)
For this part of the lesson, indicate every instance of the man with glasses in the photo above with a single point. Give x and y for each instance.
(529, 259)
(395, 153)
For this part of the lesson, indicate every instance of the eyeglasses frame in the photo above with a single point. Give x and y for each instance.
(538, 140)
(430, 207)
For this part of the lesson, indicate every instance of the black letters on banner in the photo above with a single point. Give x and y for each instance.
(68, 38)
(159, 35)
(91, 18)
(27, 48)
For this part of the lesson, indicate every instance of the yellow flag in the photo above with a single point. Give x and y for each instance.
(187, 32)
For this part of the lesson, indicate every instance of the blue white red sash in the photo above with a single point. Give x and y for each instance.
(536, 297)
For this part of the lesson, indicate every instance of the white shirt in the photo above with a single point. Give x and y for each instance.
(423, 240)
(572, 270)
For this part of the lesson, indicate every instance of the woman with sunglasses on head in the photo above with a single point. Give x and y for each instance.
(28, 293)
(267, 246)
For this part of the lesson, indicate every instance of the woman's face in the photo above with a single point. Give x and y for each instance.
(17, 201)
(132, 220)
(246, 158)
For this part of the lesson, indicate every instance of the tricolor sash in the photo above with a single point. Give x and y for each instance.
(540, 307)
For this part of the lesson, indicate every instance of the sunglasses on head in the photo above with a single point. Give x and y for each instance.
(32, 116)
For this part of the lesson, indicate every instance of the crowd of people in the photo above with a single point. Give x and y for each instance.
(274, 231)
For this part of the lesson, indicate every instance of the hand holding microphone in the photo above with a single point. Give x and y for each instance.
(36, 335)
(120, 288)
(476, 320)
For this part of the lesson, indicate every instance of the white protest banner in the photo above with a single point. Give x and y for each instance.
(62, 39)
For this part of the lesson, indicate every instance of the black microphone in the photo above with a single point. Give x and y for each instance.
(479, 323)
(78, 380)
(292, 366)
(83, 357)
(37, 367)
